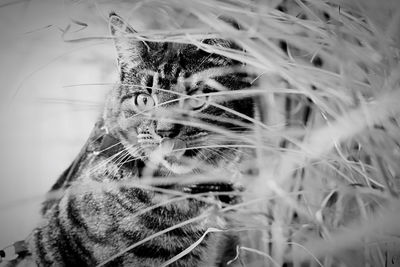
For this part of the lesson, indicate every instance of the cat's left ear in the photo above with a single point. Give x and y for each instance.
(130, 50)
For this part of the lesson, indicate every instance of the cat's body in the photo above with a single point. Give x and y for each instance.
(151, 127)
(97, 218)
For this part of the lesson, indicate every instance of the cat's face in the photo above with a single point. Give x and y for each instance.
(160, 111)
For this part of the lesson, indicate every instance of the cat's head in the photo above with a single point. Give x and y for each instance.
(168, 107)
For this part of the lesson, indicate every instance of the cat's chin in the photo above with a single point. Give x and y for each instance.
(177, 166)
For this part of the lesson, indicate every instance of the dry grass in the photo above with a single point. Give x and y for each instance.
(327, 142)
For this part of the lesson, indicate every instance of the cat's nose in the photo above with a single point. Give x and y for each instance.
(167, 133)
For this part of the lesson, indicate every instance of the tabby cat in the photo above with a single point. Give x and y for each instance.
(162, 120)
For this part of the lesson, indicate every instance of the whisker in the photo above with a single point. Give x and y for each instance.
(219, 153)
(118, 162)
(103, 163)
(110, 147)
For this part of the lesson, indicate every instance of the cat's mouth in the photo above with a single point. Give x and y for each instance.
(176, 157)
(171, 154)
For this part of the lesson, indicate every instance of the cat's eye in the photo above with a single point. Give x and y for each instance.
(197, 103)
(144, 102)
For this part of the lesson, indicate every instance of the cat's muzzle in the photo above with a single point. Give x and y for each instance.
(147, 140)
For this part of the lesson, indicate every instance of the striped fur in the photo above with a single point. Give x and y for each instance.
(93, 221)
(98, 214)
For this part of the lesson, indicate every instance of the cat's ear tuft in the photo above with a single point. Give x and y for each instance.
(118, 27)
(130, 50)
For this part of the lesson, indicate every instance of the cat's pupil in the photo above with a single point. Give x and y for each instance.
(144, 101)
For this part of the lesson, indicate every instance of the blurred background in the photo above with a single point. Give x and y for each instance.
(51, 94)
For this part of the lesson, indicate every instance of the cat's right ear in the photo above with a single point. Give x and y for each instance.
(130, 50)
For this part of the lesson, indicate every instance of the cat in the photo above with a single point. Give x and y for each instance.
(160, 121)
